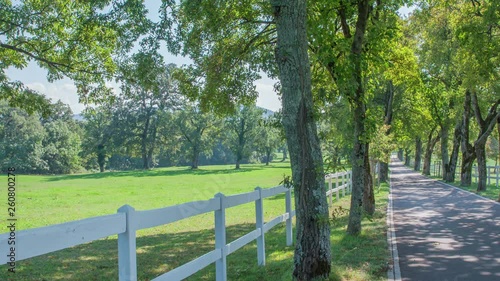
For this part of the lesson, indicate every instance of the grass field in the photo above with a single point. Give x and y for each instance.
(46, 200)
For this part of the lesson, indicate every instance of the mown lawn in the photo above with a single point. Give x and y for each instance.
(46, 200)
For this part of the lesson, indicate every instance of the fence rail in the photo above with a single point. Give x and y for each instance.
(127, 221)
(492, 173)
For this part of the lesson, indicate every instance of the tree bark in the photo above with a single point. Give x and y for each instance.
(445, 131)
(418, 153)
(407, 156)
(431, 143)
(357, 101)
(468, 155)
(101, 157)
(383, 166)
(486, 126)
(312, 259)
(268, 156)
(284, 153)
(480, 150)
(400, 154)
(477, 151)
(450, 173)
(196, 157)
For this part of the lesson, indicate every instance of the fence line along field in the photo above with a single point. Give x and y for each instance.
(47, 200)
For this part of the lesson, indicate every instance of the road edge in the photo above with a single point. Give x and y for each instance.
(461, 189)
(394, 272)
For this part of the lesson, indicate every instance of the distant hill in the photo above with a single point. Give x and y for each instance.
(267, 113)
(78, 117)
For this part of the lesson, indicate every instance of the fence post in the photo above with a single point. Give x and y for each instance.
(288, 206)
(259, 223)
(220, 239)
(330, 190)
(127, 256)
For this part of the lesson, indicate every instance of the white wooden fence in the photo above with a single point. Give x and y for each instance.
(492, 173)
(343, 181)
(43, 240)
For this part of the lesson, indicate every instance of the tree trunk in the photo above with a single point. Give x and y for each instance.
(312, 259)
(383, 166)
(445, 131)
(407, 156)
(468, 155)
(480, 150)
(400, 154)
(357, 101)
(284, 153)
(196, 158)
(431, 143)
(486, 126)
(368, 194)
(383, 171)
(268, 156)
(418, 153)
(101, 157)
(450, 173)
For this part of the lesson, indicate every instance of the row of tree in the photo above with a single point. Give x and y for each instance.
(457, 47)
(128, 136)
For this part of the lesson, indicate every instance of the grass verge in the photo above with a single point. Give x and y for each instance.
(491, 192)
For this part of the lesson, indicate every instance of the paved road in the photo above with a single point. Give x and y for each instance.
(443, 233)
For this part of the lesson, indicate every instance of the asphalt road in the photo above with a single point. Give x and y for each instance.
(443, 233)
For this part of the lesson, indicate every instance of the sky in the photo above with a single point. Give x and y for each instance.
(34, 77)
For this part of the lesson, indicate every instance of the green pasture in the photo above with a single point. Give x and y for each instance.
(47, 200)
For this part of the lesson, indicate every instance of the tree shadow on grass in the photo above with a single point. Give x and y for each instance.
(157, 254)
(155, 173)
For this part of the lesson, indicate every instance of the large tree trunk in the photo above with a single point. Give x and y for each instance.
(486, 126)
(445, 130)
(357, 101)
(418, 153)
(450, 173)
(312, 259)
(431, 143)
(383, 166)
(468, 155)
(480, 150)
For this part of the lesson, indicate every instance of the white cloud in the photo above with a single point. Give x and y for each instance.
(267, 97)
(63, 90)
